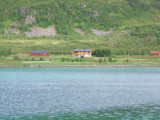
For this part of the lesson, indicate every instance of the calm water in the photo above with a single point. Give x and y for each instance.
(80, 93)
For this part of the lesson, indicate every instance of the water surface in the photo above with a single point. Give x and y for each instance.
(80, 93)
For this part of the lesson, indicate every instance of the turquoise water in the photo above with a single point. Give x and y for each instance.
(80, 93)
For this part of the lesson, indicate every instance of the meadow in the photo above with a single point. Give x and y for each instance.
(136, 30)
(27, 61)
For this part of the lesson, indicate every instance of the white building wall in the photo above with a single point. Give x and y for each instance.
(81, 55)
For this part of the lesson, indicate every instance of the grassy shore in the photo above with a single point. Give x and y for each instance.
(68, 61)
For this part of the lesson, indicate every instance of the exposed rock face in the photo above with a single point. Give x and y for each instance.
(149, 39)
(96, 14)
(23, 11)
(14, 24)
(122, 33)
(97, 32)
(84, 5)
(12, 31)
(29, 19)
(37, 31)
(79, 31)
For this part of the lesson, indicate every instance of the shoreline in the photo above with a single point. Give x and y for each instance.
(80, 66)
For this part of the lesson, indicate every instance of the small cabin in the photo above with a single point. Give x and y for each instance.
(82, 53)
(154, 53)
(39, 53)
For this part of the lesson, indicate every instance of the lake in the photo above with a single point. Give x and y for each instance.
(80, 93)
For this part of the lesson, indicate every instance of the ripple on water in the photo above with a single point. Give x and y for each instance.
(141, 113)
(80, 93)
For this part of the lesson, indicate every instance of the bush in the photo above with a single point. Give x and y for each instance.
(68, 59)
(16, 57)
(50, 59)
(24, 28)
(100, 60)
(110, 59)
(127, 60)
(143, 52)
(63, 60)
(72, 60)
(77, 60)
(33, 59)
(44, 21)
(41, 59)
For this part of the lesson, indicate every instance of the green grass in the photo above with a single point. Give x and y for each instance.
(68, 43)
(135, 23)
(83, 14)
(68, 60)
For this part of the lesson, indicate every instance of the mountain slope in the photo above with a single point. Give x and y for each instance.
(127, 24)
(67, 14)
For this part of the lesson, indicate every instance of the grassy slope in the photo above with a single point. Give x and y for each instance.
(138, 18)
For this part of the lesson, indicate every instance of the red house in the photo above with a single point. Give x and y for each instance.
(154, 53)
(39, 53)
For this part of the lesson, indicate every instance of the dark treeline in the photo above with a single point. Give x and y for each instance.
(108, 52)
(102, 52)
(96, 52)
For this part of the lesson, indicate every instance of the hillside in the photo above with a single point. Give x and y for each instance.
(116, 24)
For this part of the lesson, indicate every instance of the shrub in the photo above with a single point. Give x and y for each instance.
(67, 59)
(77, 60)
(63, 60)
(72, 60)
(110, 59)
(33, 59)
(99, 60)
(41, 59)
(127, 60)
(16, 57)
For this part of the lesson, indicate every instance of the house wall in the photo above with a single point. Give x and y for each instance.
(154, 53)
(44, 54)
(38, 54)
(34, 54)
(81, 53)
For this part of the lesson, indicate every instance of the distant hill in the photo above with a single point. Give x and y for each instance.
(119, 22)
(84, 14)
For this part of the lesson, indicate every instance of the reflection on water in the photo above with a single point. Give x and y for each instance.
(128, 113)
(80, 93)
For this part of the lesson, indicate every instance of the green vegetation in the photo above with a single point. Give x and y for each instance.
(135, 25)
(26, 60)
(102, 53)
(83, 14)
(16, 57)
